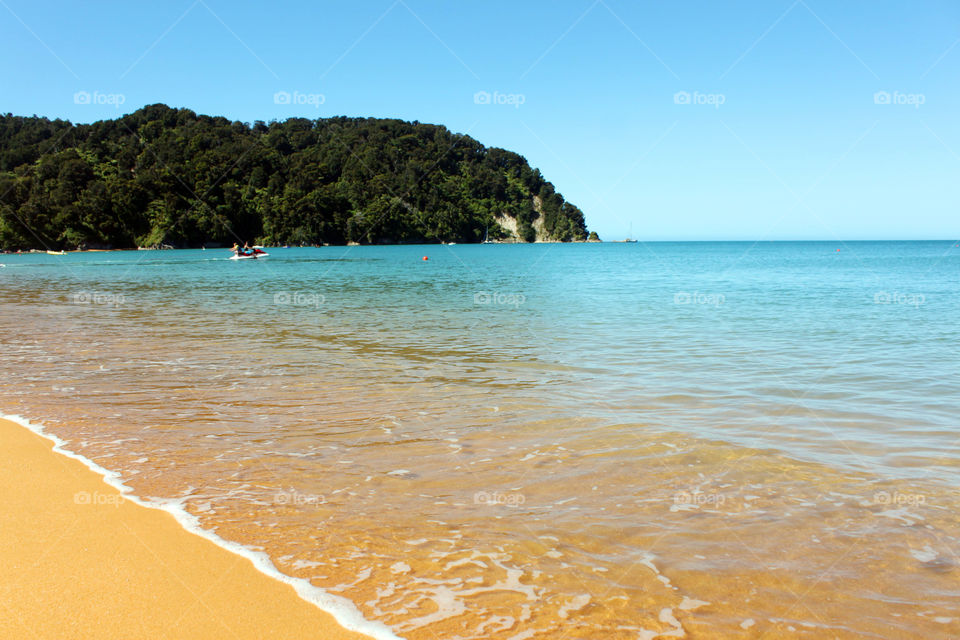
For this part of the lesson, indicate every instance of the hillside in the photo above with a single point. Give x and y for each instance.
(163, 175)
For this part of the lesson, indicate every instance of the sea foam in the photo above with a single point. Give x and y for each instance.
(344, 611)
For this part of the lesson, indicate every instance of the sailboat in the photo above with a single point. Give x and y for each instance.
(630, 237)
(486, 236)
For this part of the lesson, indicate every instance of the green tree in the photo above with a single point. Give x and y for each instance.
(172, 176)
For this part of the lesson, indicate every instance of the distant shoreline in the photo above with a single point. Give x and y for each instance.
(438, 244)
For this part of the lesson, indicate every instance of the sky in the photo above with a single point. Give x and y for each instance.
(680, 120)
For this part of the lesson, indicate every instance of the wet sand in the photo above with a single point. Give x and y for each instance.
(81, 561)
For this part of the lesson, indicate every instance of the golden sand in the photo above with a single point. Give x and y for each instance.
(100, 566)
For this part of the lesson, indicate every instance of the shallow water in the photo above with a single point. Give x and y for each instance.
(580, 441)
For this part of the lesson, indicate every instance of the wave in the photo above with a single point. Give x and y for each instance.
(344, 611)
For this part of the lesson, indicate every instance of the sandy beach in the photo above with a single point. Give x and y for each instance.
(81, 561)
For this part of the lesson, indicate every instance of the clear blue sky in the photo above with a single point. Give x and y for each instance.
(799, 148)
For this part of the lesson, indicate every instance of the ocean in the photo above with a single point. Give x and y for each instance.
(688, 439)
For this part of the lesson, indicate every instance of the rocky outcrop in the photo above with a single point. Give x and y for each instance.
(510, 229)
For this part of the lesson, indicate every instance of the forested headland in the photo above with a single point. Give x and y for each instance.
(164, 176)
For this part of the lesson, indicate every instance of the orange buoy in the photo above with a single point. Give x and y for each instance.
(425, 258)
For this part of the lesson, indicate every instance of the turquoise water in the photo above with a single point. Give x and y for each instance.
(848, 357)
(623, 385)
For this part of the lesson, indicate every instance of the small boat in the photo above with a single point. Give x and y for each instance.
(257, 252)
(56, 253)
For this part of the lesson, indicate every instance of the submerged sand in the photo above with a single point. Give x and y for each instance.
(80, 561)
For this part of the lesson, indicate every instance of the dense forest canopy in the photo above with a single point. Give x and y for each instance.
(169, 176)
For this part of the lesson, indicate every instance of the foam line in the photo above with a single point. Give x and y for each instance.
(344, 611)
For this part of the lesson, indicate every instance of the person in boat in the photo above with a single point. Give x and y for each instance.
(242, 251)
